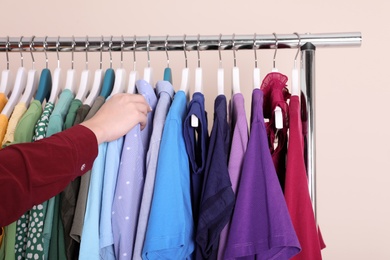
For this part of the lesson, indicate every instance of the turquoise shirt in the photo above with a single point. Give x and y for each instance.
(170, 230)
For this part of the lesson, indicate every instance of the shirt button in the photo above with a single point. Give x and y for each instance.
(82, 167)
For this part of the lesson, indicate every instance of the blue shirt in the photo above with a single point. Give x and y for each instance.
(89, 246)
(165, 94)
(196, 146)
(170, 230)
(113, 156)
(217, 202)
(130, 184)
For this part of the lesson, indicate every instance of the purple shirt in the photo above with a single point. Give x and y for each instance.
(261, 227)
(239, 126)
(130, 183)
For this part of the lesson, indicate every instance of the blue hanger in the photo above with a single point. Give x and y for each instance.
(44, 87)
(167, 70)
(108, 83)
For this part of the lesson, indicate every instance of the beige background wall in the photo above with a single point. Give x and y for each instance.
(352, 86)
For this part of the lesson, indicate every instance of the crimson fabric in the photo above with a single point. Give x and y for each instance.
(297, 191)
(31, 173)
(276, 94)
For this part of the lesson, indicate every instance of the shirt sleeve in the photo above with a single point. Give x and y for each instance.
(31, 173)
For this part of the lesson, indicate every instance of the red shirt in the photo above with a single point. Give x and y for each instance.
(297, 192)
(31, 173)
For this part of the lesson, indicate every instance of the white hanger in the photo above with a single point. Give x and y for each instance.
(198, 84)
(295, 90)
(6, 75)
(256, 70)
(85, 79)
(278, 110)
(120, 76)
(55, 88)
(235, 71)
(32, 81)
(221, 73)
(71, 73)
(19, 86)
(148, 71)
(97, 81)
(185, 74)
(133, 77)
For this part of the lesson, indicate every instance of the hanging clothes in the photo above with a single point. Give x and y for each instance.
(3, 101)
(170, 230)
(276, 94)
(17, 114)
(239, 143)
(217, 199)
(165, 93)
(196, 141)
(261, 227)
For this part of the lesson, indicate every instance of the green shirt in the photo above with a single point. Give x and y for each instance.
(71, 116)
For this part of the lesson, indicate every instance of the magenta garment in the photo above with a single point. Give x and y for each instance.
(261, 227)
(276, 94)
(240, 136)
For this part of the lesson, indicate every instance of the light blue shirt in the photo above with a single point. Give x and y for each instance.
(90, 246)
(165, 94)
(56, 122)
(170, 230)
(130, 184)
(113, 156)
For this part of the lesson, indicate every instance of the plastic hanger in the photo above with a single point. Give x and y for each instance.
(221, 73)
(55, 88)
(167, 70)
(45, 82)
(278, 110)
(85, 77)
(32, 80)
(235, 71)
(120, 75)
(148, 71)
(19, 86)
(198, 84)
(133, 77)
(6, 75)
(185, 74)
(256, 70)
(295, 91)
(109, 77)
(70, 82)
(97, 81)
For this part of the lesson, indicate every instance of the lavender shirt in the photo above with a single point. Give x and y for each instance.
(261, 227)
(130, 183)
(239, 126)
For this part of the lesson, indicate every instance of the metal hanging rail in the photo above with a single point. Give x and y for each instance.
(175, 43)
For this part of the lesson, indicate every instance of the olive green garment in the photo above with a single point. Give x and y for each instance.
(71, 116)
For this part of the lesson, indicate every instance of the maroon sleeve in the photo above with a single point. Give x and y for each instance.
(32, 173)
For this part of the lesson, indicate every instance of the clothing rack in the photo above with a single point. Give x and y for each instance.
(307, 42)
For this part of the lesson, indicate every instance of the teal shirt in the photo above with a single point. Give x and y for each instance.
(71, 116)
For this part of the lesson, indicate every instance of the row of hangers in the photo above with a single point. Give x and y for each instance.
(109, 82)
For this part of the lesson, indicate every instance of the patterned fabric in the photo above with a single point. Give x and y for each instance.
(31, 246)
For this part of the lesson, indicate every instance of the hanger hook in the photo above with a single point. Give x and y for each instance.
(6, 52)
(57, 49)
(73, 46)
(219, 50)
(134, 45)
(45, 49)
(298, 49)
(197, 49)
(147, 50)
(110, 49)
(32, 56)
(166, 50)
(86, 51)
(185, 51)
(234, 50)
(20, 45)
(122, 45)
(255, 49)
(101, 52)
(276, 49)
